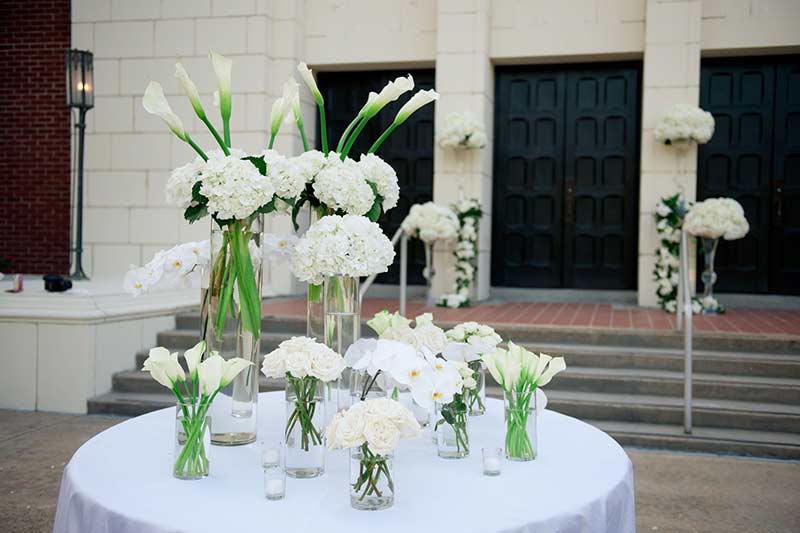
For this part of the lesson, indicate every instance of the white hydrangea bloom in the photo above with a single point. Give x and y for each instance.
(309, 164)
(715, 218)
(181, 181)
(347, 245)
(462, 130)
(431, 222)
(683, 123)
(383, 176)
(341, 186)
(285, 177)
(234, 187)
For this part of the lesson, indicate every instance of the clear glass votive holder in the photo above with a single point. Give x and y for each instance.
(492, 459)
(272, 461)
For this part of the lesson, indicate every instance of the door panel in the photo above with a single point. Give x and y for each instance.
(409, 149)
(565, 180)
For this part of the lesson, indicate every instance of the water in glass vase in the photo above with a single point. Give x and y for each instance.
(342, 310)
(371, 483)
(452, 436)
(304, 429)
(521, 431)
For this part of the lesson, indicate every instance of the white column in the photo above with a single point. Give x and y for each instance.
(671, 76)
(465, 80)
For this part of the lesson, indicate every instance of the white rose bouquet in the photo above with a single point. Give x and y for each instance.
(467, 343)
(462, 130)
(304, 363)
(715, 218)
(520, 374)
(373, 428)
(347, 245)
(684, 123)
(205, 380)
(227, 184)
(431, 222)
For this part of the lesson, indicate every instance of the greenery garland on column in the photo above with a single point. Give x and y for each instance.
(469, 214)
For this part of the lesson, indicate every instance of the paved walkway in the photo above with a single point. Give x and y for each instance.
(675, 493)
(573, 315)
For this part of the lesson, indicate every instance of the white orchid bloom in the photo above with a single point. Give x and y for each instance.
(231, 368)
(193, 356)
(436, 388)
(408, 369)
(359, 350)
(462, 351)
(155, 103)
(391, 92)
(164, 367)
(209, 373)
(420, 99)
(190, 89)
(308, 79)
(222, 69)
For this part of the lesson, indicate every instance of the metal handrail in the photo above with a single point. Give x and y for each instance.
(684, 314)
(403, 238)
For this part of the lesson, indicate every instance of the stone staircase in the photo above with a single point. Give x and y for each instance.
(627, 382)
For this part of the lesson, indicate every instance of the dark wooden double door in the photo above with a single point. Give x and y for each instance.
(754, 157)
(566, 177)
(409, 149)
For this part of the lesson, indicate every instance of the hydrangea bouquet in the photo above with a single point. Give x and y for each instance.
(462, 130)
(684, 123)
(520, 374)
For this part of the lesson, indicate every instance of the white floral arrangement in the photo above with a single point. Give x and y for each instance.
(469, 341)
(346, 245)
(469, 215)
(670, 213)
(431, 222)
(301, 357)
(379, 424)
(176, 268)
(684, 123)
(716, 218)
(462, 130)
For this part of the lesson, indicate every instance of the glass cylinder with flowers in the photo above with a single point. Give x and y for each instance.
(195, 394)
(307, 366)
(372, 429)
(452, 435)
(468, 343)
(520, 373)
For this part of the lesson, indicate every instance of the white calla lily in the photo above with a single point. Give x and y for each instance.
(164, 367)
(420, 99)
(193, 356)
(190, 89)
(231, 368)
(222, 69)
(209, 374)
(155, 103)
(391, 92)
(308, 78)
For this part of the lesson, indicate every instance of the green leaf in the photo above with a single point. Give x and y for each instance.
(259, 163)
(296, 209)
(195, 212)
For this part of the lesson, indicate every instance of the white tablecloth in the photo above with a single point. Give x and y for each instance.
(120, 481)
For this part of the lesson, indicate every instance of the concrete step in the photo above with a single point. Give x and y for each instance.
(746, 343)
(668, 383)
(183, 339)
(668, 410)
(703, 439)
(141, 382)
(129, 403)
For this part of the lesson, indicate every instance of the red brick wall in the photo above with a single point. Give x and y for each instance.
(34, 136)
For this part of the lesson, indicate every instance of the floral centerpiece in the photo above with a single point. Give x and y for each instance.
(684, 123)
(176, 268)
(462, 130)
(711, 220)
(449, 386)
(430, 223)
(372, 429)
(468, 343)
(469, 214)
(306, 365)
(520, 374)
(195, 395)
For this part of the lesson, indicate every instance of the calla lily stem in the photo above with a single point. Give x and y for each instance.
(385, 135)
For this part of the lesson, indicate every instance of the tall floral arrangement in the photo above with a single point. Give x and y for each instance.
(465, 253)
(684, 123)
(462, 130)
(716, 218)
(431, 222)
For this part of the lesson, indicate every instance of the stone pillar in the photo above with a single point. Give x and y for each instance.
(671, 76)
(465, 80)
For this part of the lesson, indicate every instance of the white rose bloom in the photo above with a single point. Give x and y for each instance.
(298, 364)
(326, 365)
(234, 187)
(431, 222)
(432, 337)
(462, 130)
(717, 217)
(350, 429)
(382, 435)
(383, 176)
(684, 122)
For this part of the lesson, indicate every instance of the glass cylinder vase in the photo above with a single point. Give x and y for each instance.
(192, 441)
(428, 273)
(315, 322)
(304, 431)
(520, 417)
(231, 323)
(452, 430)
(342, 311)
(476, 398)
(709, 276)
(371, 480)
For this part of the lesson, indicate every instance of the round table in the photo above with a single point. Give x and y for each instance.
(120, 481)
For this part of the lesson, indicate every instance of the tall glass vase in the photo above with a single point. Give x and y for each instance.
(371, 483)
(428, 274)
(315, 327)
(304, 431)
(342, 310)
(709, 277)
(231, 323)
(520, 415)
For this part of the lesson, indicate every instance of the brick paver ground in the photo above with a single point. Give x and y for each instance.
(574, 315)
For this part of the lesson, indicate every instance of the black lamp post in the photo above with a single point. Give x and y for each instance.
(80, 95)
